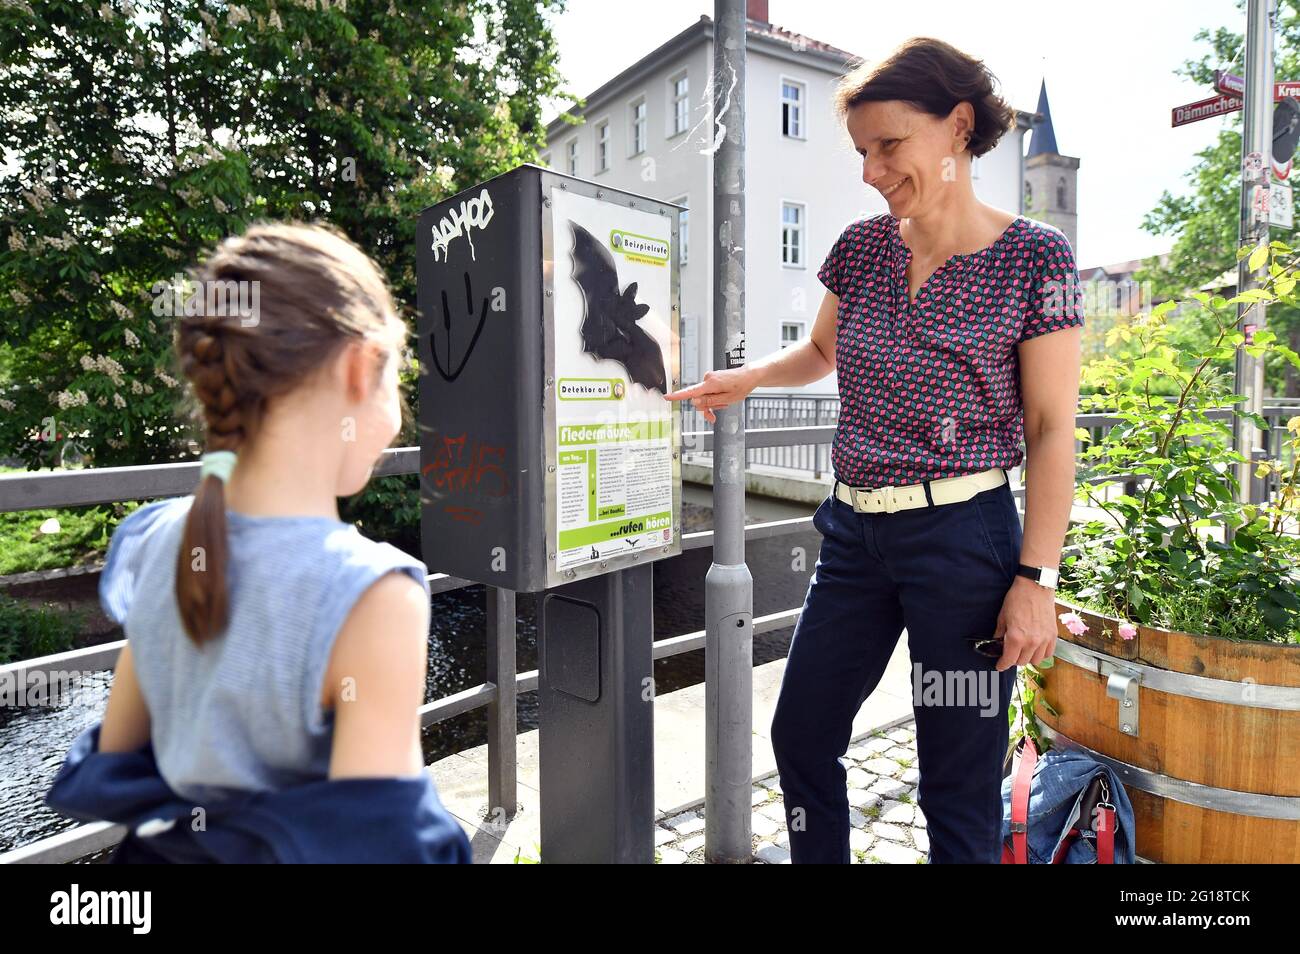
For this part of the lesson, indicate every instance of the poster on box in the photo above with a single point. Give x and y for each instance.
(614, 436)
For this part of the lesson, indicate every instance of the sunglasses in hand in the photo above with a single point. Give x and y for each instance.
(991, 647)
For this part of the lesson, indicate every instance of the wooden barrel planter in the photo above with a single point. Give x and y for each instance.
(1203, 731)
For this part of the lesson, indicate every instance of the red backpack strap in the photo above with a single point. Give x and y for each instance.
(1026, 759)
(1106, 837)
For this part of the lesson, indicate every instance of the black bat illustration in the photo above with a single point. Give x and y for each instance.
(610, 329)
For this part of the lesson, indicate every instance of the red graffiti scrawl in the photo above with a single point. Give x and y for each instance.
(467, 468)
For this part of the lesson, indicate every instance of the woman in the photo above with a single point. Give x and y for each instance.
(953, 328)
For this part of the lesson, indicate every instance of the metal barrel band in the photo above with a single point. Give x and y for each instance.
(1281, 807)
(1183, 684)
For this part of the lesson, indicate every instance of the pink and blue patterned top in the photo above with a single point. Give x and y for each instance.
(931, 388)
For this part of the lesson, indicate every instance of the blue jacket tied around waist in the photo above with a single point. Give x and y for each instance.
(354, 820)
(1060, 780)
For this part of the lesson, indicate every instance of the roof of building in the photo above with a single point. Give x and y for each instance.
(1043, 139)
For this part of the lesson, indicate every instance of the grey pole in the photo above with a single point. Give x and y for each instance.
(728, 587)
(1256, 140)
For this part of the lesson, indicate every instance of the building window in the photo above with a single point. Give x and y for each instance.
(791, 333)
(683, 231)
(602, 146)
(792, 109)
(1060, 194)
(681, 105)
(792, 224)
(573, 157)
(638, 127)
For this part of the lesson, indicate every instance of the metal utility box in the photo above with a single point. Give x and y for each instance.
(548, 336)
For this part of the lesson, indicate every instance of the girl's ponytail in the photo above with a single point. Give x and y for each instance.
(201, 594)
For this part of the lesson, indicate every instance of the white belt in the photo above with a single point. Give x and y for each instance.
(944, 490)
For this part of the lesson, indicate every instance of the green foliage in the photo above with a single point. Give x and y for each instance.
(389, 510)
(1161, 550)
(137, 135)
(82, 532)
(1203, 218)
(27, 632)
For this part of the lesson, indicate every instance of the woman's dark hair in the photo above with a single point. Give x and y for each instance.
(932, 76)
(315, 291)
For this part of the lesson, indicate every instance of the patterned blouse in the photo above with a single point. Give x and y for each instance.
(931, 388)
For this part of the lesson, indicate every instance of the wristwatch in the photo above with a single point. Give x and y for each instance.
(1042, 575)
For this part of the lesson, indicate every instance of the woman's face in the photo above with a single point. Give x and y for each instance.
(909, 156)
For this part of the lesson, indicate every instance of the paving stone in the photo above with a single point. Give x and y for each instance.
(774, 810)
(919, 820)
(857, 819)
(759, 795)
(910, 775)
(900, 735)
(677, 821)
(897, 813)
(882, 766)
(772, 782)
(898, 752)
(892, 832)
(689, 827)
(691, 844)
(889, 788)
(859, 752)
(921, 838)
(671, 856)
(783, 839)
(860, 798)
(663, 836)
(857, 778)
(892, 853)
(771, 854)
(877, 745)
(860, 839)
(762, 826)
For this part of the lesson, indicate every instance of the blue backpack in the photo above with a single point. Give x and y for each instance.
(1064, 807)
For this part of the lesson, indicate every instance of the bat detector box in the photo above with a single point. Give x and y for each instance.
(548, 336)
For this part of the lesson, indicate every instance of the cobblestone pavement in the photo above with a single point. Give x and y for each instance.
(886, 826)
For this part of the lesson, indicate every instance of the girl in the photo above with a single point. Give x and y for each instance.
(270, 646)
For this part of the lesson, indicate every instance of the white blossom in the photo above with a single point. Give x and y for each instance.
(131, 340)
(118, 400)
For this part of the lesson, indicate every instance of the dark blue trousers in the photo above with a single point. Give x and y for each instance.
(942, 572)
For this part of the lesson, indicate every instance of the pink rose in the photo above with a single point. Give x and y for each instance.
(1073, 623)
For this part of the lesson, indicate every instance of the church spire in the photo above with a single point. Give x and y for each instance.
(1043, 139)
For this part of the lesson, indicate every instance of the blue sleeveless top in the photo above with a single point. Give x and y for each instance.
(243, 712)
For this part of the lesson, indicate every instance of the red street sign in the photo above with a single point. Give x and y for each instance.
(1232, 85)
(1205, 109)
